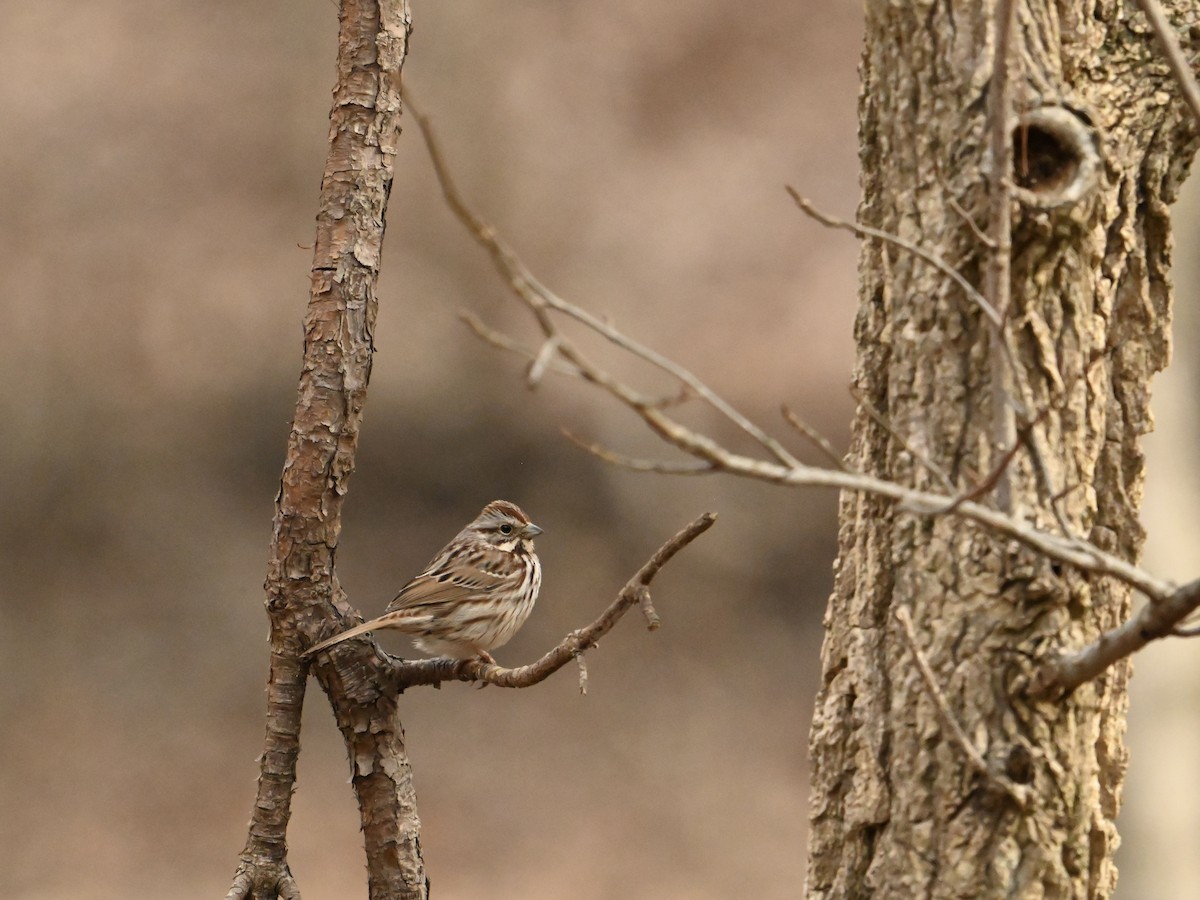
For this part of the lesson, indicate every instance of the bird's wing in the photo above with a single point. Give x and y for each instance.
(479, 572)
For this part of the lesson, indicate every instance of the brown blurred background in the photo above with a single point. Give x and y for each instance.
(160, 168)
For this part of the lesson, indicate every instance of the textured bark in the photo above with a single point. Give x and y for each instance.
(302, 583)
(898, 809)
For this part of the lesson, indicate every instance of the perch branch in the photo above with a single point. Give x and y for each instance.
(412, 673)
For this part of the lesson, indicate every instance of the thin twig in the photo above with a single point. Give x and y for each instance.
(538, 297)
(962, 211)
(883, 422)
(1070, 551)
(915, 249)
(638, 465)
(1018, 793)
(970, 222)
(1168, 41)
(1064, 549)
(993, 477)
(988, 482)
(649, 613)
(411, 673)
(817, 439)
(502, 341)
(713, 457)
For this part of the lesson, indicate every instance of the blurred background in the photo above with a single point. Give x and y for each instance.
(159, 178)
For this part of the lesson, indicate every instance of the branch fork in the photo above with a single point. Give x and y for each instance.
(1168, 606)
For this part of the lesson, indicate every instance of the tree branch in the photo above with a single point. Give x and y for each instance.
(865, 231)
(1151, 622)
(540, 299)
(1171, 604)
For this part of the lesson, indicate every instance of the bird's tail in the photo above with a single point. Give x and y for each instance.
(344, 636)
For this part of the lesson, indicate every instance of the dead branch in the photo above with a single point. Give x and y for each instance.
(814, 437)
(539, 299)
(412, 673)
(865, 231)
(783, 469)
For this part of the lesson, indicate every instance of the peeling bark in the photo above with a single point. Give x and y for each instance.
(301, 583)
(899, 809)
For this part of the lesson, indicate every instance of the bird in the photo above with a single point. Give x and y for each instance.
(473, 596)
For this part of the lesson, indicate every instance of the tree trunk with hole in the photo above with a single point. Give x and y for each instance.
(1100, 147)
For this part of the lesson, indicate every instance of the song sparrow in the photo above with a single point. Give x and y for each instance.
(473, 596)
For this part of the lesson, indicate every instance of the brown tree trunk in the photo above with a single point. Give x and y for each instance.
(302, 584)
(899, 809)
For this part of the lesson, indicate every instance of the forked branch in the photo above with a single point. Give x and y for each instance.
(1169, 604)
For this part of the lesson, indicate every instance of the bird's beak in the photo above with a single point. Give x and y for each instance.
(530, 531)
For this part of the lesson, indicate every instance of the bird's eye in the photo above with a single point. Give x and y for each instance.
(506, 528)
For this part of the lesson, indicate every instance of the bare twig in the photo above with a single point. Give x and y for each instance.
(1151, 622)
(817, 439)
(1070, 551)
(649, 613)
(539, 298)
(993, 477)
(969, 220)
(1169, 43)
(915, 249)
(885, 423)
(783, 469)
(989, 481)
(639, 465)
(411, 673)
(963, 212)
(504, 342)
(1018, 793)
